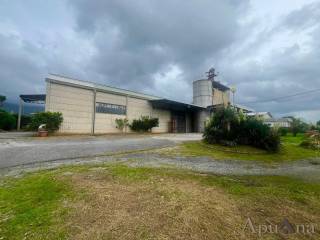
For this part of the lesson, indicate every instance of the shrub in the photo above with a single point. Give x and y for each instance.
(121, 123)
(312, 140)
(222, 126)
(7, 120)
(52, 120)
(144, 124)
(283, 131)
(227, 126)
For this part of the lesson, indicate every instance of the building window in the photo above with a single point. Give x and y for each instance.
(111, 108)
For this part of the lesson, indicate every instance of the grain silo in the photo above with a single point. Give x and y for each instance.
(202, 92)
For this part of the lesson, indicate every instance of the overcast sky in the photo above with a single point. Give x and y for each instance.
(266, 48)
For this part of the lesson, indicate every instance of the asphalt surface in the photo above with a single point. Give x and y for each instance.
(25, 150)
(21, 152)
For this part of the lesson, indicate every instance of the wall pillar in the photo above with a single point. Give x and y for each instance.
(94, 111)
(20, 113)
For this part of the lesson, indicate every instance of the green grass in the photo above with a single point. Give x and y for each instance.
(289, 138)
(257, 189)
(290, 150)
(268, 188)
(253, 187)
(262, 191)
(30, 207)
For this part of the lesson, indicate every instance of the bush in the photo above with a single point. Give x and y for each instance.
(227, 126)
(312, 140)
(144, 124)
(52, 120)
(121, 123)
(7, 120)
(283, 131)
(219, 126)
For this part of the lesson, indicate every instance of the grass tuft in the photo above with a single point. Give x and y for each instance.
(290, 151)
(30, 207)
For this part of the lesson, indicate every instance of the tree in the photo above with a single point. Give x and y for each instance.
(318, 123)
(7, 120)
(298, 126)
(227, 127)
(2, 100)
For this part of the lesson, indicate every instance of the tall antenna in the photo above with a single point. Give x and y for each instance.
(211, 74)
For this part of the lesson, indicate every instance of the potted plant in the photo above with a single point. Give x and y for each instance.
(46, 122)
(42, 132)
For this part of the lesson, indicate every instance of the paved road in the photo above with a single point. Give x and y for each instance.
(37, 153)
(19, 151)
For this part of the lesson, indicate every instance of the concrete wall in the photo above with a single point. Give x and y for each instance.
(76, 105)
(201, 118)
(105, 122)
(164, 119)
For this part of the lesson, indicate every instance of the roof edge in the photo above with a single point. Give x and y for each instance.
(100, 87)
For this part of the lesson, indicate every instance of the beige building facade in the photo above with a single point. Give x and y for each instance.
(90, 108)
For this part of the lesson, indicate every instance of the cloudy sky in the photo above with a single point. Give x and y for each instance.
(268, 49)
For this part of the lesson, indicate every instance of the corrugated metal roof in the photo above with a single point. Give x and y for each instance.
(174, 105)
(220, 86)
(100, 87)
(33, 98)
(244, 107)
(259, 113)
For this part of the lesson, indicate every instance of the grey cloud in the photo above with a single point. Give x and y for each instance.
(132, 43)
(307, 16)
(284, 70)
(151, 35)
(20, 66)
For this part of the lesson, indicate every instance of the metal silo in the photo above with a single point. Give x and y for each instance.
(202, 92)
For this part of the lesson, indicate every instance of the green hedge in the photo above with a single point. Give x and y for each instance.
(144, 124)
(52, 120)
(226, 126)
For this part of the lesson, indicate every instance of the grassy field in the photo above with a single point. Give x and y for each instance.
(118, 202)
(31, 207)
(290, 150)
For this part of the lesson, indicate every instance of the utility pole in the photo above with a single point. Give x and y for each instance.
(233, 90)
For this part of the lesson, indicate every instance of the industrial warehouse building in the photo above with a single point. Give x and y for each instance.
(93, 108)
